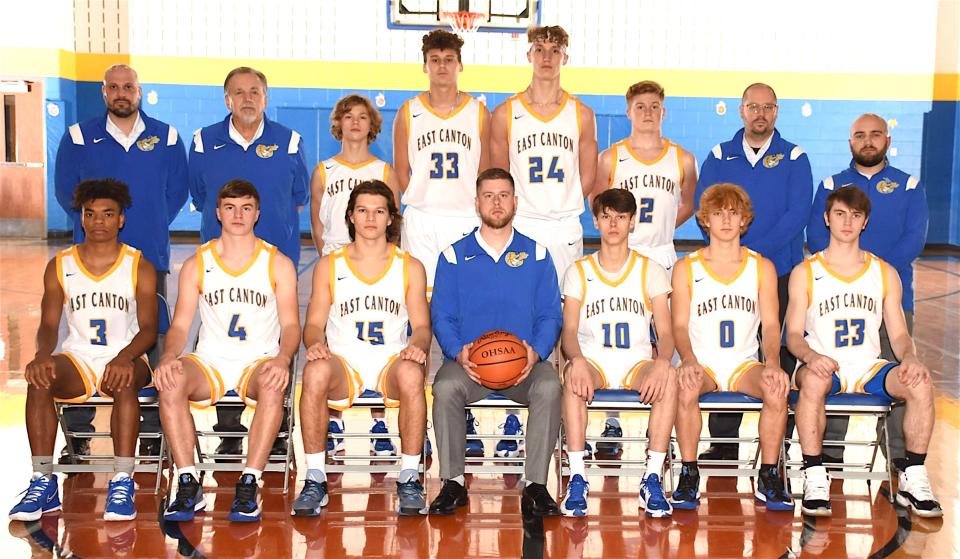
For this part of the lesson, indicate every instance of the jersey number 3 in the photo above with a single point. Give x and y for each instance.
(849, 332)
(453, 170)
(101, 331)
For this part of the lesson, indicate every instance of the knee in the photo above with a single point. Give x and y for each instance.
(447, 389)
(546, 388)
(688, 397)
(922, 394)
(671, 387)
(815, 386)
(316, 376)
(773, 402)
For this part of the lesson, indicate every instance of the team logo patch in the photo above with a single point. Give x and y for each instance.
(265, 151)
(147, 144)
(886, 186)
(515, 259)
(772, 161)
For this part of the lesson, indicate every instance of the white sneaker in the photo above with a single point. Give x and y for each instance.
(816, 492)
(915, 493)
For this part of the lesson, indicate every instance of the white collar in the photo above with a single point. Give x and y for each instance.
(489, 249)
(126, 140)
(237, 137)
(752, 157)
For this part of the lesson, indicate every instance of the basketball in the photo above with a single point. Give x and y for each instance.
(500, 358)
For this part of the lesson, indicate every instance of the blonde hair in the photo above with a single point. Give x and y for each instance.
(725, 196)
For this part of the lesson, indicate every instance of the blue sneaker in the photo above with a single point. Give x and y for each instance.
(611, 428)
(770, 490)
(245, 507)
(335, 444)
(474, 446)
(652, 498)
(687, 495)
(508, 448)
(381, 447)
(189, 500)
(312, 498)
(41, 496)
(411, 497)
(120, 504)
(575, 502)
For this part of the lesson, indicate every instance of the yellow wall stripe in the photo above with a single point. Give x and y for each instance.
(27, 62)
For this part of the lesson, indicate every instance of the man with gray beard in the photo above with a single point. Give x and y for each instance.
(896, 231)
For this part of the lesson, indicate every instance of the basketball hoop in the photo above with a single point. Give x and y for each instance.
(463, 22)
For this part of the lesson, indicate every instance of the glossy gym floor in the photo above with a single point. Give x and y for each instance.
(360, 520)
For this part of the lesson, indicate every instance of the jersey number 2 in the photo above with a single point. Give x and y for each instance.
(645, 210)
(536, 170)
(849, 332)
(235, 331)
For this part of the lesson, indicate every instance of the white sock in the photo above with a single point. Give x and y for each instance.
(576, 462)
(191, 469)
(248, 470)
(317, 461)
(459, 479)
(410, 462)
(120, 475)
(654, 462)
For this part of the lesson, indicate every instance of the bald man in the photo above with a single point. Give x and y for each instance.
(897, 229)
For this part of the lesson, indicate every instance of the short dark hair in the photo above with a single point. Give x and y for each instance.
(344, 106)
(377, 188)
(616, 199)
(441, 39)
(852, 197)
(495, 173)
(245, 70)
(238, 188)
(102, 189)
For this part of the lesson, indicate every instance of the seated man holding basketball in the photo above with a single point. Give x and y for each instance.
(365, 294)
(496, 279)
(610, 300)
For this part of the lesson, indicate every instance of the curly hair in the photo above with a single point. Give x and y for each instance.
(102, 189)
(441, 39)
(344, 106)
(552, 33)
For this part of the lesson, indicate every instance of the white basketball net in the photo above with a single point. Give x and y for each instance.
(463, 22)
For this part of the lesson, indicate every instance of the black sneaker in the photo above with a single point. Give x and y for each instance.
(452, 496)
(188, 501)
(771, 491)
(687, 494)
(230, 445)
(720, 451)
(245, 507)
(611, 428)
(81, 446)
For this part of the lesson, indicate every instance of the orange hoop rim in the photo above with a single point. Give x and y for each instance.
(463, 22)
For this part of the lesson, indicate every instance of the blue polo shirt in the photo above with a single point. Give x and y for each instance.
(780, 186)
(518, 292)
(154, 169)
(274, 163)
(897, 228)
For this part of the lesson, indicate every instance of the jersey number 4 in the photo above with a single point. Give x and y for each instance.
(235, 331)
(849, 332)
(536, 170)
(374, 332)
(453, 167)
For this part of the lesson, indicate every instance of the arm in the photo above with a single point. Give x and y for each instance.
(687, 187)
(418, 346)
(577, 373)
(818, 236)
(547, 315)
(484, 139)
(400, 139)
(909, 246)
(118, 373)
(41, 371)
(796, 319)
(316, 200)
(772, 375)
(177, 189)
(654, 384)
(169, 369)
(276, 372)
(499, 148)
(799, 186)
(198, 190)
(709, 175)
(67, 176)
(603, 175)
(315, 325)
(690, 373)
(393, 183)
(911, 371)
(301, 178)
(445, 308)
(588, 149)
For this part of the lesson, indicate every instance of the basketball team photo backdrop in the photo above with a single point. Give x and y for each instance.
(827, 65)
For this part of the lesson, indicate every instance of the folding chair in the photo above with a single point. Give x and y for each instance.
(148, 399)
(863, 405)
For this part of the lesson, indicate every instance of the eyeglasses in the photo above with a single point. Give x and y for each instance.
(757, 109)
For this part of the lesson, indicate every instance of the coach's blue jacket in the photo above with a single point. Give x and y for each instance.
(155, 170)
(274, 163)
(780, 186)
(897, 228)
(473, 294)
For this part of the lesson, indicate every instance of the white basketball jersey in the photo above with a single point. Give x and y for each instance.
(845, 314)
(724, 315)
(101, 311)
(656, 187)
(339, 180)
(238, 308)
(368, 313)
(545, 158)
(615, 315)
(444, 157)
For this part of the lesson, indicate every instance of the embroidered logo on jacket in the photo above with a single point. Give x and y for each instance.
(515, 259)
(886, 186)
(147, 144)
(772, 161)
(265, 151)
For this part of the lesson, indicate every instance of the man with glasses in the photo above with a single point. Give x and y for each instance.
(776, 175)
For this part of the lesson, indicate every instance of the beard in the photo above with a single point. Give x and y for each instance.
(498, 222)
(123, 111)
(869, 160)
(247, 118)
